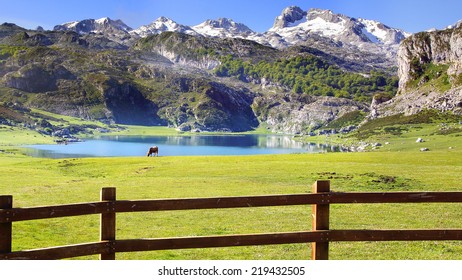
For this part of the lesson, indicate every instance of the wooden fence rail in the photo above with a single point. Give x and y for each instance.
(321, 198)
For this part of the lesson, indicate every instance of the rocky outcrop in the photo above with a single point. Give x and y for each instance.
(430, 68)
(128, 105)
(415, 101)
(289, 16)
(35, 78)
(299, 114)
(217, 108)
(437, 47)
(179, 48)
(226, 109)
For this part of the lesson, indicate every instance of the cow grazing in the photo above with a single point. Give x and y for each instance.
(153, 151)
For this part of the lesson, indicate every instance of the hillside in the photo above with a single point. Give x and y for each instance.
(193, 83)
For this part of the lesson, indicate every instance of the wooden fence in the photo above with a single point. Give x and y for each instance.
(321, 198)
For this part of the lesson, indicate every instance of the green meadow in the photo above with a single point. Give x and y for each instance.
(397, 166)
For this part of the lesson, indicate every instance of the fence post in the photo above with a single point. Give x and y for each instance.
(6, 229)
(108, 222)
(320, 212)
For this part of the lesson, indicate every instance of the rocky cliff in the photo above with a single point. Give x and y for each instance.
(434, 47)
(430, 74)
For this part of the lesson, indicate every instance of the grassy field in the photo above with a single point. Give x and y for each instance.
(398, 166)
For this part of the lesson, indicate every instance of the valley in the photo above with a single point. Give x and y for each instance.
(392, 98)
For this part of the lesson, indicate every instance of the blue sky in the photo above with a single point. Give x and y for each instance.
(259, 15)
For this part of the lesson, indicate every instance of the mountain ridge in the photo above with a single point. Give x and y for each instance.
(292, 27)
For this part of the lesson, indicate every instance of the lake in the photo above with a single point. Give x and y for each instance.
(124, 146)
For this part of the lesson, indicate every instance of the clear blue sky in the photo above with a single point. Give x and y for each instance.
(259, 15)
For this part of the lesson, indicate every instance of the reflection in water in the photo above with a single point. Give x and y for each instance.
(179, 145)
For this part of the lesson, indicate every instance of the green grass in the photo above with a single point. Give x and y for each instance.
(36, 182)
(398, 166)
(13, 136)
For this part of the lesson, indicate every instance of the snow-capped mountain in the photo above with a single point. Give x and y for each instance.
(223, 27)
(102, 25)
(455, 25)
(162, 24)
(295, 26)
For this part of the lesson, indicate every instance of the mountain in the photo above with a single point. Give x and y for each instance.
(162, 24)
(295, 26)
(193, 83)
(223, 27)
(336, 34)
(102, 25)
(115, 30)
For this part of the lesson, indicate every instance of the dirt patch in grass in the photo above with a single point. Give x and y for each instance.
(367, 182)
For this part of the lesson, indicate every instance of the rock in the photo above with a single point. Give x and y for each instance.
(64, 133)
(184, 127)
(102, 130)
(327, 132)
(289, 16)
(347, 129)
(362, 147)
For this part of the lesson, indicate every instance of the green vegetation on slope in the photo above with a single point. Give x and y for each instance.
(393, 123)
(311, 75)
(430, 75)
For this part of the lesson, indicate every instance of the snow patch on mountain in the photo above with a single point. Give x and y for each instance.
(88, 26)
(162, 24)
(223, 28)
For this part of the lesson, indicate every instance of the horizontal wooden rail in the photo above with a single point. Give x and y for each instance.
(217, 202)
(138, 245)
(394, 197)
(61, 252)
(217, 241)
(395, 235)
(59, 211)
(285, 238)
(46, 212)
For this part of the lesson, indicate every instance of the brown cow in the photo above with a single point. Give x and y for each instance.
(153, 151)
